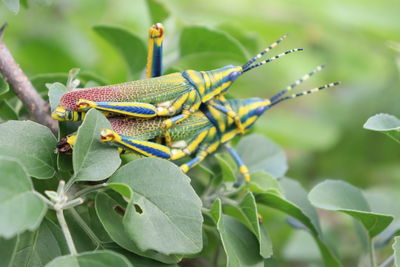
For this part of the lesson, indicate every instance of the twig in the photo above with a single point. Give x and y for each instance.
(12, 73)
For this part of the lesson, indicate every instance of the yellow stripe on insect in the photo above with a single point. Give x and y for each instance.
(197, 80)
(245, 172)
(217, 91)
(195, 143)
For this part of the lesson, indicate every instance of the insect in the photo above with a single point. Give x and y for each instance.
(176, 95)
(200, 134)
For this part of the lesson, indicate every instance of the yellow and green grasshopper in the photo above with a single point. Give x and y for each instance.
(176, 95)
(200, 134)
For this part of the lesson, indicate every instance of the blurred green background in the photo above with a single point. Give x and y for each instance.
(322, 134)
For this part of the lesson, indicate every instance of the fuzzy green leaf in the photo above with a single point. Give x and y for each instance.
(385, 123)
(4, 88)
(110, 213)
(8, 249)
(161, 193)
(104, 258)
(227, 172)
(158, 12)
(296, 205)
(240, 244)
(92, 160)
(56, 90)
(21, 207)
(7, 112)
(396, 248)
(13, 5)
(343, 197)
(32, 144)
(131, 47)
(246, 212)
(41, 246)
(198, 39)
(260, 153)
(261, 181)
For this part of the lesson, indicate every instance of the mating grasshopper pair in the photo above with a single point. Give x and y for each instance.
(206, 119)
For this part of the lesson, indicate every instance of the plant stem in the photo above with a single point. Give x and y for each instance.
(86, 228)
(23, 88)
(388, 262)
(372, 253)
(65, 229)
(89, 189)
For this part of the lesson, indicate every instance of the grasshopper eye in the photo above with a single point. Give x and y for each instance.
(234, 75)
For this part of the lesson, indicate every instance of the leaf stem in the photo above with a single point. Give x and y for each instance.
(89, 189)
(65, 229)
(86, 228)
(372, 253)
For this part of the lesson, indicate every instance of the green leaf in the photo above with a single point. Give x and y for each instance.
(240, 245)
(4, 88)
(343, 197)
(261, 182)
(198, 39)
(56, 90)
(7, 112)
(260, 153)
(136, 260)
(32, 144)
(297, 206)
(8, 249)
(161, 193)
(40, 247)
(21, 208)
(13, 5)
(158, 12)
(92, 160)
(104, 258)
(385, 123)
(396, 248)
(41, 80)
(246, 212)
(110, 214)
(131, 47)
(227, 172)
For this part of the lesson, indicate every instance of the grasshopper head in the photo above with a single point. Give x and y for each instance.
(62, 114)
(249, 110)
(108, 136)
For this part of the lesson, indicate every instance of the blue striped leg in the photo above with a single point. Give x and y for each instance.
(242, 167)
(204, 150)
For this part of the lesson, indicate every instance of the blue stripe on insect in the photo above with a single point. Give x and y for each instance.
(130, 108)
(145, 148)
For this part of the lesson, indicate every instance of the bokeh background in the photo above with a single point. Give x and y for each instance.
(322, 134)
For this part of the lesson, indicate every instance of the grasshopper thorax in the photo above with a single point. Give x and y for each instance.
(213, 82)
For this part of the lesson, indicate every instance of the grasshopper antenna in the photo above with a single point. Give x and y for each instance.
(297, 82)
(271, 59)
(266, 50)
(308, 92)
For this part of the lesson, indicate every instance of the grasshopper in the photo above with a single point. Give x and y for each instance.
(177, 95)
(200, 134)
